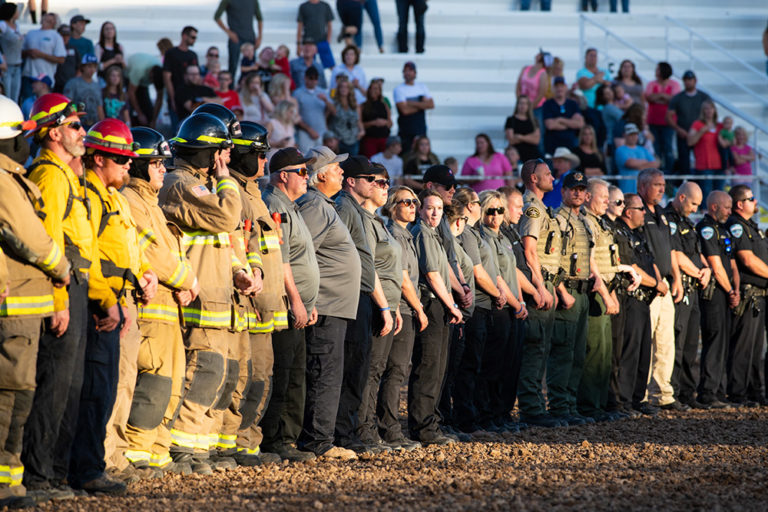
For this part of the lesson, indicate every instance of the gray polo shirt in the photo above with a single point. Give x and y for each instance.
(409, 259)
(336, 255)
(352, 214)
(431, 254)
(505, 255)
(388, 261)
(297, 246)
(467, 268)
(471, 237)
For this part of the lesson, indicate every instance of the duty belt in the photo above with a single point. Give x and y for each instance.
(689, 283)
(754, 291)
(577, 285)
(643, 294)
(426, 292)
(555, 279)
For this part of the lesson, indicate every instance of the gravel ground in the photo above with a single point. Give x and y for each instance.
(699, 460)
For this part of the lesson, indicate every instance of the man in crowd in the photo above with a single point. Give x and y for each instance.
(631, 158)
(304, 61)
(86, 89)
(389, 158)
(684, 109)
(562, 119)
(67, 70)
(43, 50)
(83, 45)
(562, 161)
(239, 27)
(412, 100)
(176, 62)
(314, 108)
(142, 71)
(194, 93)
(314, 23)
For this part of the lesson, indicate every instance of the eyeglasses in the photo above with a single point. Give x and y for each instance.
(749, 199)
(618, 202)
(465, 219)
(634, 208)
(495, 211)
(409, 202)
(368, 178)
(382, 183)
(119, 159)
(75, 125)
(476, 201)
(301, 171)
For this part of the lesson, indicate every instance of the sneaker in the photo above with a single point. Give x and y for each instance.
(543, 420)
(17, 502)
(337, 452)
(291, 454)
(676, 406)
(104, 485)
(246, 459)
(404, 444)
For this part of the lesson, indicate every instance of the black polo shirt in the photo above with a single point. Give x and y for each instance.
(716, 241)
(746, 236)
(684, 236)
(633, 247)
(510, 231)
(659, 237)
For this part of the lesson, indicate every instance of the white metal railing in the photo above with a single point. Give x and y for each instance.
(758, 128)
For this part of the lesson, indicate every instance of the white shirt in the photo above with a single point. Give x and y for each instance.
(393, 165)
(404, 92)
(47, 41)
(357, 72)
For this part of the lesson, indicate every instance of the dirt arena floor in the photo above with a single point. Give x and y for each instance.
(700, 460)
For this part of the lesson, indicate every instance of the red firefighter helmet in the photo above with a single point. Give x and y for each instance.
(111, 136)
(53, 109)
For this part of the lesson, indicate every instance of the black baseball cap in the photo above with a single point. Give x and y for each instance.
(688, 75)
(410, 64)
(559, 80)
(440, 174)
(286, 157)
(357, 166)
(574, 179)
(78, 17)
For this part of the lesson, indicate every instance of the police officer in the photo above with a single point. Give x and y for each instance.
(747, 332)
(695, 274)
(542, 243)
(30, 262)
(161, 360)
(717, 300)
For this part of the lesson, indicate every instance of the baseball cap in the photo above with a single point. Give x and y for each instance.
(323, 155)
(689, 74)
(630, 128)
(392, 140)
(286, 157)
(559, 80)
(410, 64)
(43, 78)
(89, 58)
(574, 179)
(78, 17)
(356, 166)
(441, 174)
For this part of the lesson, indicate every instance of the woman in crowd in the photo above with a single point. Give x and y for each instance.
(350, 66)
(11, 42)
(522, 130)
(282, 132)
(611, 114)
(634, 114)
(703, 138)
(592, 162)
(657, 94)
(418, 160)
(345, 122)
(632, 84)
(486, 162)
(401, 207)
(113, 97)
(108, 51)
(377, 120)
(256, 103)
(533, 80)
(279, 89)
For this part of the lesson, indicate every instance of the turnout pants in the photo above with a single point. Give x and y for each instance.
(395, 373)
(536, 348)
(595, 379)
(226, 411)
(660, 390)
(257, 396)
(566, 358)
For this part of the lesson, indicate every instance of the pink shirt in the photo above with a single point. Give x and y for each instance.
(497, 166)
(744, 169)
(657, 112)
(530, 85)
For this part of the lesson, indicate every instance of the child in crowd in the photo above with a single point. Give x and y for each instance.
(248, 61)
(113, 96)
(282, 64)
(212, 77)
(514, 157)
(742, 156)
(452, 164)
(225, 92)
(620, 97)
(264, 66)
(725, 139)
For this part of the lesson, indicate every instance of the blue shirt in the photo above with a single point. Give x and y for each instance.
(624, 153)
(554, 139)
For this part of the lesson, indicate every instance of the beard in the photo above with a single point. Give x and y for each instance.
(74, 147)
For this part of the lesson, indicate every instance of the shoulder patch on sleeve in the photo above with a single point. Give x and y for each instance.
(200, 190)
(673, 228)
(532, 212)
(737, 230)
(707, 232)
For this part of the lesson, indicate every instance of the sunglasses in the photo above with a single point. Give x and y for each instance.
(382, 183)
(634, 208)
(75, 125)
(477, 202)
(750, 199)
(495, 211)
(618, 202)
(120, 159)
(409, 202)
(369, 179)
(301, 171)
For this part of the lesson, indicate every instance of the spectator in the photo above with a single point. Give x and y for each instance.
(522, 130)
(265, 66)
(314, 24)
(743, 155)
(590, 76)
(193, 93)
(419, 159)
(372, 8)
(592, 117)
(314, 109)
(331, 141)
(239, 27)
(33, 9)
(211, 56)
(514, 157)
(658, 94)
(144, 70)
(486, 162)
(43, 49)
(636, 115)
(390, 160)
(562, 119)
(225, 92)
(212, 75)
(351, 17)
(345, 119)
(11, 42)
(546, 5)
(248, 61)
(624, 6)
(86, 89)
(175, 64)
(113, 98)
(591, 160)
(306, 60)
(627, 77)
(377, 120)
(621, 98)
(282, 64)
(108, 50)
(725, 138)
(281, 127)
(41, 85)
(610, 112)
(67, 70)
(419, 9)
(703, 137)
(632, 158)
(562, 162)
(350, 67)
(412, 100)
(453, 164)
(83, 45)
(533, 80)
(256, 103)
(684, 109)
(555, 70)
(279, 89)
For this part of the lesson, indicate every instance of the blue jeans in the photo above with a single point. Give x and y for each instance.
(12, 81)
(403, 6)
(546, 5)
(372, 8)
(662, 144)
(624, 5)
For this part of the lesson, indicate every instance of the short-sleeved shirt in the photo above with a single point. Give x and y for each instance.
(431, 254)
(687, 107)
(526, 150)
(746, 236)
(315, 18)
(716, 240)
(176, 61)
(83, 45)
(657, 112)
(337, 258)
(240, 14)
(538, 222)
(590, 94)
(505, 256)
(394, 165)
(89, 93)
(416, 123)
(554, 139)
(706, 152)
(659, 236)
(195, 93)
(633, 247)
(482, 249)
(139, 66)
(47, 41)
(357, 73)
(312, 108)
(297, 249)
(497, 166)
(298, 68)
(351, 214)
(409, 259)
(684, 236)
(467, 267)
(624, 153)
(388, 262)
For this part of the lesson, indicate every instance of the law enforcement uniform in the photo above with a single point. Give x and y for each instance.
(31, 258)
(747, 335)
(592, 395)
(715, 315)
(538, 222)
(687, 312)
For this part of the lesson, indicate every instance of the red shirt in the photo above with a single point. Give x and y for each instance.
(706, 152)
(231, 99)
(657, 112)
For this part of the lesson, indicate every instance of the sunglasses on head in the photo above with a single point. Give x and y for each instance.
(120, 159)
(618, 202)
(495, 211)
(301, 171)
(409, 202)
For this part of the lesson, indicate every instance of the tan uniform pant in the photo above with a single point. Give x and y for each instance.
(19, 338)
(226, 412)
(206, 356)
(660, 391)
(262, 360)
(161, 353)
(116, 441)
